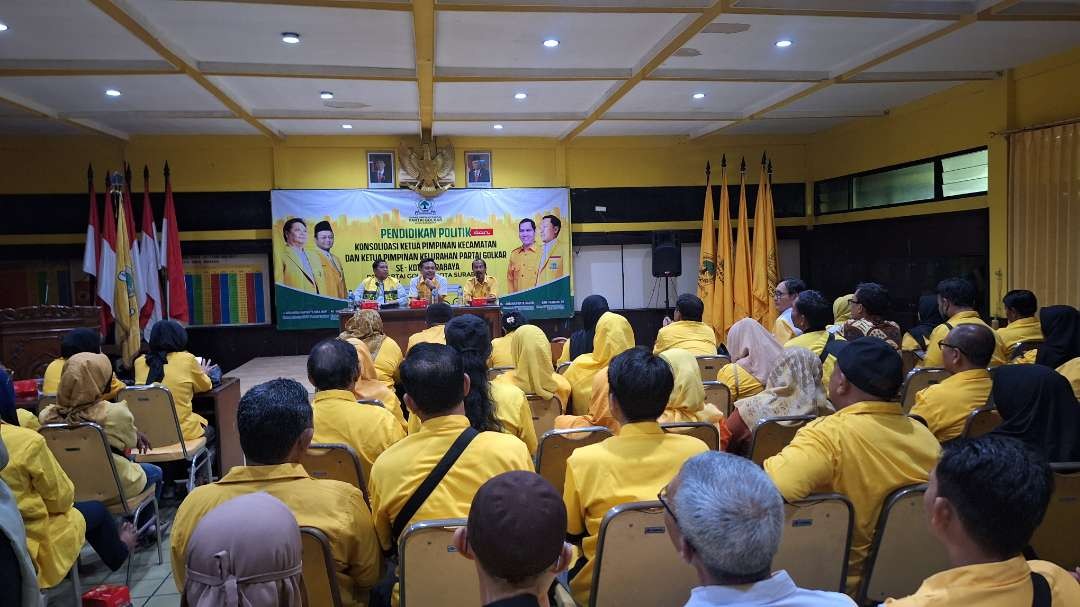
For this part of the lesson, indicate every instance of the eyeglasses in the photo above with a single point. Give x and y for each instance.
(854, 302)
(663, 497)
(779, 294)
(945, 344)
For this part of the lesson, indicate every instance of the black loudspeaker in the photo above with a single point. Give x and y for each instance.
(666, 255)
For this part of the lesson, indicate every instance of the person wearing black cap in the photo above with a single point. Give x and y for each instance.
(517, 524)
(436, 316)
(865, 450)
(332, 281)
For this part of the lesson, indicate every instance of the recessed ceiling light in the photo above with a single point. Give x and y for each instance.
(346, 126)
(497, 127)
(520, 96)
(551, 43)
(326, 95)
(698, 95)
(290, 37)
(783, 43)
(112, 92)
(3, 27)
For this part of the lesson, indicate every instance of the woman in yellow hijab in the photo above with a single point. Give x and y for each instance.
(369, 387)
(367, 326)
(530, 353)
(841, 311)
(613, 337)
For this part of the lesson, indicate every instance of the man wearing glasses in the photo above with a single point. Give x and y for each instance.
(787, 291)
(725, 518)
(966, 351)
(956, 302)
(630, 467)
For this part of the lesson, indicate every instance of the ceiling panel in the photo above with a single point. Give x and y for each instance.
(87, 93)
(608, 128)
(241, 32)
(514, 40)
(818, 43)
(10, 125)
(989, 46)
(498, 97)
(63, 29)
(178, 126)
(727, 97)
(522, 128)
(860, 98)
(261, 94)
(786, 126)
(333, 127)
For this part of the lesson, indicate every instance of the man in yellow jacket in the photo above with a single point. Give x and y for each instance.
(381, 287)
(1021, 309)
(525, 260)
(966, 351)
(956, 300)
(687, 331)
(552, 264)
(296, 268)
(333, 274)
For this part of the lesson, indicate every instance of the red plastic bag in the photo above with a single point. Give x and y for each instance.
(25, 388)
(107, 595)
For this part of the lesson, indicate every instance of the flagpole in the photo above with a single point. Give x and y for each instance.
(167, 295)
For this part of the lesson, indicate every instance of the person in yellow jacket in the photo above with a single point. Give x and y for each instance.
(367, 326)
(72, 343)
(332, 273)
(436, 316)
(368, 386)
(956, 300)
(946, 406)
(521, 271)
(754, 353)
(1021, 310)
(381, 287)
(530, 357)
(170, 364)
(480, 285)
(297, 271)
(614, 335)
(687, 331)
(812, 314)
(502, 347)
(787, 291)
(552, 264)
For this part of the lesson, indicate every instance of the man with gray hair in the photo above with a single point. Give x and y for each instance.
(725, 518)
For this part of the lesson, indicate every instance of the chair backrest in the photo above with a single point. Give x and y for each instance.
(155, 415)
(544, 412)
(816, 541)
(557, 445)
(561, 369)
(904, 552)
(636, 564)
(1021, 348)
(718, 395)
(706, 432)
(320, 578)
(981, 421)
(336, 462)
(918, 380)
(557, 346)
(497, 371)
(710, 366)
(772, 434)
(431, 571)
(909, 359)
(82, 450)
(1055, 539)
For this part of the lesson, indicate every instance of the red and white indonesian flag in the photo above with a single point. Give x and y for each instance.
(171, 259)
(148, 259)
(106, 273)
(92, 250)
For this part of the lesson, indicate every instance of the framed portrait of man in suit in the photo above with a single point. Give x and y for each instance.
(381, 170)
(478, 169)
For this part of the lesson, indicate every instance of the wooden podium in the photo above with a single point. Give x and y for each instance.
(400, 323)
(30, 337)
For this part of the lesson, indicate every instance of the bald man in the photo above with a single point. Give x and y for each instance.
(966, 352)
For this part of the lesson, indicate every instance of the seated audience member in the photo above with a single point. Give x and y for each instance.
(1071, 372)
(869, 306)
(1061, 330)
(687, 331)
(985, 500)
(338, 418)
(515, 535)
(787, 291)
(754, 352)
(725, 518)
(866, 450)
(495, 407)
(946, 406)
(9, 412)
(81, 399)
(367, 326)
(629, 467)
(811, 315)
(956, 300)
(18, 580)
(480, 285)
(168, 363)
(532, 373)
(436, 316)
(581, 341)
(841, 311)
(275, 427)
(1021, 308)
(246, 551)
(56, 525)
(614, 335)
(793, 387)
(74, 342)
(1037, 406)
(368, 386)
(435, 388)
(501, 356)
(917, 339)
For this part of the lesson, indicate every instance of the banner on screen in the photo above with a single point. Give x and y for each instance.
(527, 254)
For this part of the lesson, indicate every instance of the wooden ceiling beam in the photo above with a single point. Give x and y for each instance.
(40, 111)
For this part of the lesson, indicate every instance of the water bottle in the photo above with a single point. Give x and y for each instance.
(353, 303)
(460, 295)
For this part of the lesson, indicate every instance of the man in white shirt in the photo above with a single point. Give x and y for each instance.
(725, 518)
(429, 285)
(787, 291)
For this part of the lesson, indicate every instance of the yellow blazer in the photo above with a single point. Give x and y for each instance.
(332, 281)
(552, 268)
(293, 273)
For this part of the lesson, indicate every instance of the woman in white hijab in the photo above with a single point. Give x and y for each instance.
(245, 553)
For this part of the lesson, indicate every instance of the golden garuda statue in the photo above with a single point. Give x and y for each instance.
(429, 167)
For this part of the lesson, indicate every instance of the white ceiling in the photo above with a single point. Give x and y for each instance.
(58, 57)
